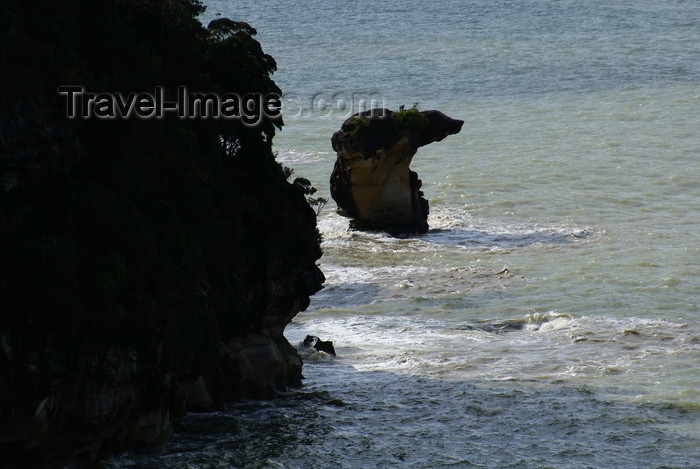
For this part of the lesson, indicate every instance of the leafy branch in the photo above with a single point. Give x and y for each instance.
(304, 185)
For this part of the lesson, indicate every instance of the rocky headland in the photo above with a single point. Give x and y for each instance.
(147, 267)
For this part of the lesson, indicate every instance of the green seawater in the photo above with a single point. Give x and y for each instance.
(550, 316)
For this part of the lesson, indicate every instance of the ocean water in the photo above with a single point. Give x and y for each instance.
(550, 316)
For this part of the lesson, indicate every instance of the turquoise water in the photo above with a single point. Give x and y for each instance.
(550, 316)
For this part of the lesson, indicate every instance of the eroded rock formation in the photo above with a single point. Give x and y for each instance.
(371, 180)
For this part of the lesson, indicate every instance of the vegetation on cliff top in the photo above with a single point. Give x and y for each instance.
(109, 228)
(411, 118)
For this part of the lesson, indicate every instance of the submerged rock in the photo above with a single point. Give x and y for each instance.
(371, 181)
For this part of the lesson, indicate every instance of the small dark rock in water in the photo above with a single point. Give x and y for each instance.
(336, 403)
(320, 345)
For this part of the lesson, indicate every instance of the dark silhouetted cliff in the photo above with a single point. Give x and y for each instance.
(147, 267)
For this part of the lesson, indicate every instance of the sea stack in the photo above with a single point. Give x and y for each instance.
(371, 180)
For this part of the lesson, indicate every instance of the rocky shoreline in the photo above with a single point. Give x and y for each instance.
(74, 403)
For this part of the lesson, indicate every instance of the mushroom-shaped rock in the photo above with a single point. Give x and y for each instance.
(371, 181)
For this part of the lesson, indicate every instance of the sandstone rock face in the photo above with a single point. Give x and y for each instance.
(371, 180)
